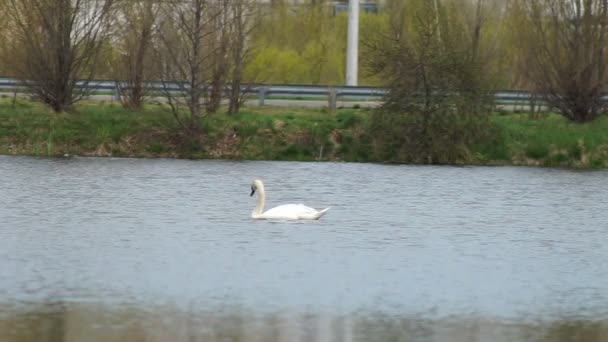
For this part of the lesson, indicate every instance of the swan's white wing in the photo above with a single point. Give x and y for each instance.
(290, 209)
(293, 212)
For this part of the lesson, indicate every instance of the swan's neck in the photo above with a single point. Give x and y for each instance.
(259, 208)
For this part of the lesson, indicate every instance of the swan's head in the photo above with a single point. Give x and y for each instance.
(257, 184)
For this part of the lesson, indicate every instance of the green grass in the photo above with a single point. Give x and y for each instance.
(273, 133)
(30, 128)
(287, 133)
(106, 128)
(548, 141)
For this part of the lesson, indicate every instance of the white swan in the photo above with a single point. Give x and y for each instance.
(282, 212)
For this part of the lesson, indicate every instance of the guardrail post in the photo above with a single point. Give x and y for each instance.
(332, 99)
(116, 92)
(261, 95)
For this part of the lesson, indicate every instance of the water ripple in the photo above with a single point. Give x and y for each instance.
(507, 242)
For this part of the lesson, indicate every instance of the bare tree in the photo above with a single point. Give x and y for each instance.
(245, 17)
(183, 60)
(5, 28)
(136, 23)
(438, 99)
(219, 46)
(57, 43)
(227, 42)
(563, 53)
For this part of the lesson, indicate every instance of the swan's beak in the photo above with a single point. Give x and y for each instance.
(252, 191)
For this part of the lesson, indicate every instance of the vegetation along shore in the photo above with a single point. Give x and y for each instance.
(439, 61)
(270, 133)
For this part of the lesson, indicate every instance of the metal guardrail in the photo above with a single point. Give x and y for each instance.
(278, 91)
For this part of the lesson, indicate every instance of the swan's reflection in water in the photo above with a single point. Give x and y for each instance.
(87, 322)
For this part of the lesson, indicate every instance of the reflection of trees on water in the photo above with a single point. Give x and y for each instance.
(79, 322)
(46, 323)
(578, 330)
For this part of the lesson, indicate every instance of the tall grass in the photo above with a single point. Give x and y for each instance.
(272, 133)
(101, 128)
(548, 141)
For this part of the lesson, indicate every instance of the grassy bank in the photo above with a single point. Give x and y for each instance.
(549, 140)
(106, 129)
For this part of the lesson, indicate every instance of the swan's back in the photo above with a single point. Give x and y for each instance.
(294, 212)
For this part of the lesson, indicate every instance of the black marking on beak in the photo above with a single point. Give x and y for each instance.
(252, 191)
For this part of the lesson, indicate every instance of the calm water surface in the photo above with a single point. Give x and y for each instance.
(165, 250)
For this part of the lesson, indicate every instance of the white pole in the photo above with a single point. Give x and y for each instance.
(352, 45)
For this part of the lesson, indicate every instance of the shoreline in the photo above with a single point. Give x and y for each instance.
(102, 129)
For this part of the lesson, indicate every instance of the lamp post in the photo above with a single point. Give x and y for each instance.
(352, 44)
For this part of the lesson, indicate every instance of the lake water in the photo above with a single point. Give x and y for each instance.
(165, 250)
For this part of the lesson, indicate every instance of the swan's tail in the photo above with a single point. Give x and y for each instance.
(321, 213)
